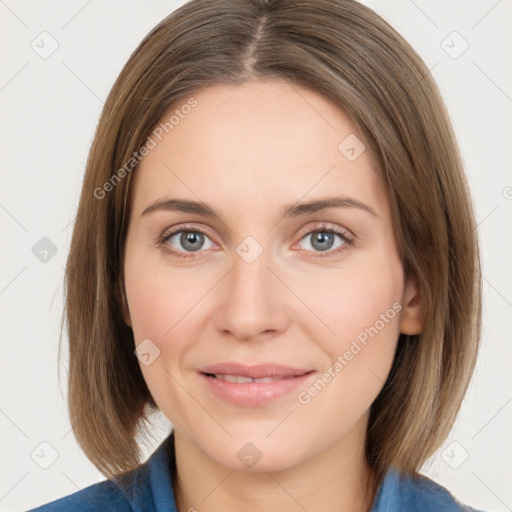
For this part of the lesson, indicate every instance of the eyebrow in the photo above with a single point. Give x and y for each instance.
(291, 210)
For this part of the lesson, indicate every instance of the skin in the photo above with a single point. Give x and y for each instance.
(247, 151)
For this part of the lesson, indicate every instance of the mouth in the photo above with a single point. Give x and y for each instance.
(241, 379)
(253, 386)
(273, 371)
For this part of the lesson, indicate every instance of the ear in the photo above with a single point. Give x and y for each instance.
(124, 302)
(411, 321)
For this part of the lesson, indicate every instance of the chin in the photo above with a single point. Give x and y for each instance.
(253, 453)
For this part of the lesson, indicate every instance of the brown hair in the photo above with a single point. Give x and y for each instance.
(347, 53)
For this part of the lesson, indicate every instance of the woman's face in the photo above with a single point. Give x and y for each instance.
(247, 275)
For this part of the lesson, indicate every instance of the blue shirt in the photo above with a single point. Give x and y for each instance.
(148, 488)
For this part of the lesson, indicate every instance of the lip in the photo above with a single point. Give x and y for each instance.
(254, 394)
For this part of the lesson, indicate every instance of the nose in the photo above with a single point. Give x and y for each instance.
(252, 302)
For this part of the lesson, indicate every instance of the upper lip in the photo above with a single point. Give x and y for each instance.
(257, 371)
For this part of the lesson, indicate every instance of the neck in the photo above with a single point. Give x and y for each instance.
(337, 479)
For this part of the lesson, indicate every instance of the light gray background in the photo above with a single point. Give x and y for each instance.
(49, 110)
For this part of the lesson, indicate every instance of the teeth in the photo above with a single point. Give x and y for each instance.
(265, 379)
(234, 378)
(240, 379)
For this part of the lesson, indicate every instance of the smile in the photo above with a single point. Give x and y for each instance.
(244, 391)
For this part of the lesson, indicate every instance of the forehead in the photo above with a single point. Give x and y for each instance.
(255, 144)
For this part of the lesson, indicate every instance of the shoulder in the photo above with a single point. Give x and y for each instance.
(415, 493)
(146, 488)
(98, 497)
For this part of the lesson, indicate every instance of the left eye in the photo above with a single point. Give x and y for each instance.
(323, 240)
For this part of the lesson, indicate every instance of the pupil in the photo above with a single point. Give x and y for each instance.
(323, 239)
(191, 240)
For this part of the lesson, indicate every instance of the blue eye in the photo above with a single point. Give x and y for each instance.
(184, 243)
(190, 241)
(323, 240)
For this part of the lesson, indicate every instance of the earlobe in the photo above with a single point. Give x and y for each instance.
(411, 321)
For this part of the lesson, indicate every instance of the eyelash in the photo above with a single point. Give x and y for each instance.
(348, 240)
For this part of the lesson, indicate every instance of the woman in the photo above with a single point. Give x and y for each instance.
(275, 246)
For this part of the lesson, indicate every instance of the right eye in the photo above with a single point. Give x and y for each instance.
(184, 243)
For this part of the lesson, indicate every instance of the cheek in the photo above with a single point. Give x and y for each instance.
(363, 309)
(160, 298)
(356, 300)
(161, 303)
(167, 307)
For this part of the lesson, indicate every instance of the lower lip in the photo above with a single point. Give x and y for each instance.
(254, 394)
